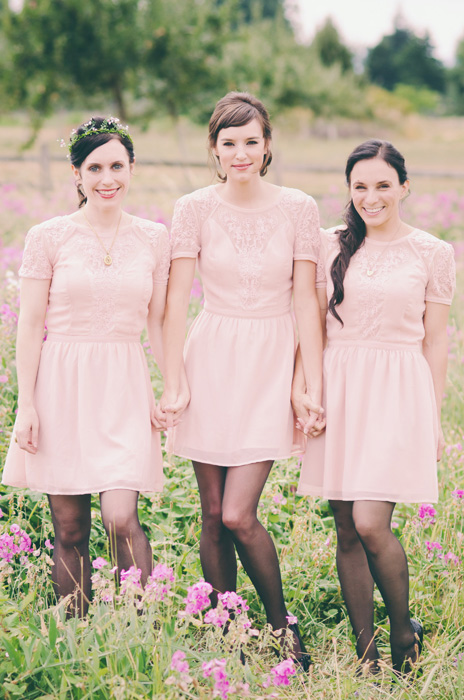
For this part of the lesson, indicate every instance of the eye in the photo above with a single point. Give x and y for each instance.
(227, 143)
(117, 166)
(252, 143)
(359, 187)
(94, 168)
(384, 186)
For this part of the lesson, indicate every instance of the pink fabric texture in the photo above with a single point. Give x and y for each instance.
(381, 436)
(240, 349)
(93, 392)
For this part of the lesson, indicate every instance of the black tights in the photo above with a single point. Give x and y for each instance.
(129, 545)
(229, 501)
(368, 552)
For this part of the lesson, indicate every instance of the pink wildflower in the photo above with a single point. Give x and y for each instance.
(197, 598)
(217, 617)
(1, 513)
(49, 545)
(280, 674)
(278, 498)
(217, 670)
(3, 378)
(452, 558)
(233, 602)
(130, 580)
(178, 662)
(159, 583)
(458, 493)
(292, 620)
(99, 563)
(426, 514)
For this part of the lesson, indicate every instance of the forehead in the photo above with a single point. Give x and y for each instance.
(373, 170)
(109, 152)
(252, 129)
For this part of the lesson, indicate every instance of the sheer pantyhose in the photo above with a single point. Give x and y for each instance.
(72, 522)
(368, 552)
(229, 501)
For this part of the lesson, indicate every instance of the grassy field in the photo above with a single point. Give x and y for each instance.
(125, 649)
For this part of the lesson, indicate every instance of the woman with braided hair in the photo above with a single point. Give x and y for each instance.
(86, 420)
(389, 287)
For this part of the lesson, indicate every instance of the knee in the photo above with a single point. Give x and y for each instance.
(119, 524)
(212, 521)
(370, 535)
(240, 524)
(347, 537)
(72, 531)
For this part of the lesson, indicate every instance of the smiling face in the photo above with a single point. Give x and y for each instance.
(105, 174)
(241, 151)
(376, 192)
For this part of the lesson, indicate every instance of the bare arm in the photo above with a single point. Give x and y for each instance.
(435, 348)
(175, 398)
(155, 321)
(308, 364)
(31, 323)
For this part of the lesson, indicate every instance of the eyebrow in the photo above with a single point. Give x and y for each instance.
(381, 182)
(113, 163)
(224, 138)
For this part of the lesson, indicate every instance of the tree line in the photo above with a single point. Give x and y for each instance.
(176, 57)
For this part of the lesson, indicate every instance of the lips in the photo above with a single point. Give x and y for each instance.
(242, 167)
(373, 211)
(108, 194)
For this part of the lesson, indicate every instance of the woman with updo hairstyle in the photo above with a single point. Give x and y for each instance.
(256, 245)
(86, 421)
(388, 287)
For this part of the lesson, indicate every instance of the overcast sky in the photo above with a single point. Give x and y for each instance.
(362, 23)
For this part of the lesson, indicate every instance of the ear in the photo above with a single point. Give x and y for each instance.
(405, 189)
(76, 172)
(132, 167)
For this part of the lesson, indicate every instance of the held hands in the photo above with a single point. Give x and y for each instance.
(167, 412)
(27, 429)
(309, 415)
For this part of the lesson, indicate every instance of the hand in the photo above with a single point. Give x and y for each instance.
(170, 407)
(309, 415)
(27, 429)
(441, 443)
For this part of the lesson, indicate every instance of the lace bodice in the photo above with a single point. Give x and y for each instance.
(388, 304)
(245, 257)
(87, 297)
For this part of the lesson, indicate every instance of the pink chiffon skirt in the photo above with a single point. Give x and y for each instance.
(382, 430)
(93, 398)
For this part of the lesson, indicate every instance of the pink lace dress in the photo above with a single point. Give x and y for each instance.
(93, 392)
(381, 436)
(239, 352)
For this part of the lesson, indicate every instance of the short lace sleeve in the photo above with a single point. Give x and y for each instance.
(163, 250)
(36, 262)
(185, 230)
(321, 277)
(442, 275)
(307, 233)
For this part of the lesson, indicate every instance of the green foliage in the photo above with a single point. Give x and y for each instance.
(331, 49)
(456, 82)
(403, 57)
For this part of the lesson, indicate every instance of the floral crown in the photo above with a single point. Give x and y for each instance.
(110, 125)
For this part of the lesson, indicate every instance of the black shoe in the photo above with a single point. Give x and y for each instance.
(407, 663)
(302, 658)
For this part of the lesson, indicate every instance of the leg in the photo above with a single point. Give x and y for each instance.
(389, 569)
(355, 580)
(71, 571)
(128, 542)
(254, 545)
(217, 553)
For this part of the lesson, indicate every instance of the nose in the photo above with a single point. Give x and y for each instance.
(107, 176)
(370, 196)
(240, 154)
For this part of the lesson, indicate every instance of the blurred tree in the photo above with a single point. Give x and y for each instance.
(456, 82)
(331, 49)
(403, 57)
(62, 49)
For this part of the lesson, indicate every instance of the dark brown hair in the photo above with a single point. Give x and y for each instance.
(83, 147)
(352, 237)
(238, 109)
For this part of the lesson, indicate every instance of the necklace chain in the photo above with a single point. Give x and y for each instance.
(108, 260)
(373, 266)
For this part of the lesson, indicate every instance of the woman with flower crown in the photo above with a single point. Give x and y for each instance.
(85, 420)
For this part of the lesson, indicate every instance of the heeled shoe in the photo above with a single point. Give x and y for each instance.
(407, 664)
(302, 657)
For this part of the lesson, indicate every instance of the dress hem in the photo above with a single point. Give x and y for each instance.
(390, 498)
(83, 491)
(221, 461)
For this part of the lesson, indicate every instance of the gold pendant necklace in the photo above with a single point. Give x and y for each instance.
(373, 266)
(108, 260)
